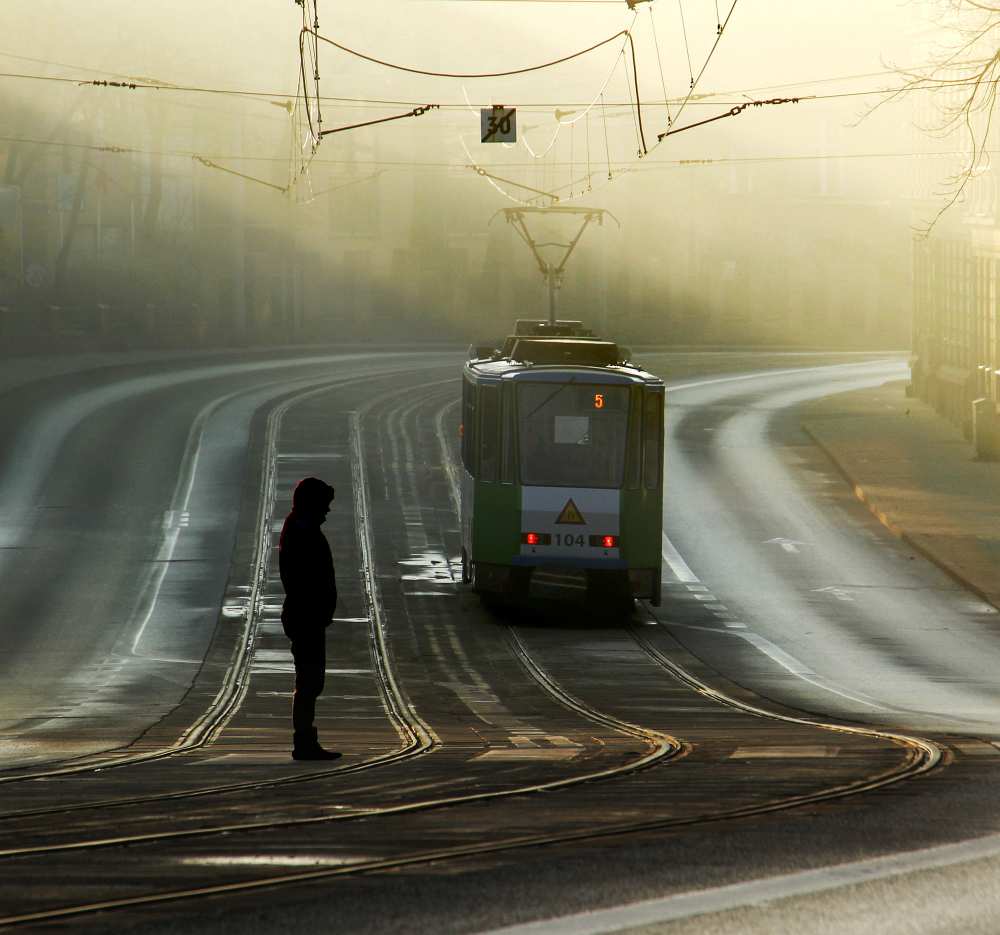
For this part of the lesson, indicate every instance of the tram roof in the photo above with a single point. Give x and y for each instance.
(493, 369)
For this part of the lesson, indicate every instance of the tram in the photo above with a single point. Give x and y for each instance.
(562, 466)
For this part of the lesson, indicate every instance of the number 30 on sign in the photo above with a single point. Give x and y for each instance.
(498, 124)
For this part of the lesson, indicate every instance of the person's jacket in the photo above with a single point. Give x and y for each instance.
(306, 567)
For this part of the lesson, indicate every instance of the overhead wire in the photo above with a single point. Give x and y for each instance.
(590, 106)
(469, 75)
(416, 112)
(708, 58)
(307, 132)
(116, 148)
(687, 46)
(634, 103)
(208, 163)
(351, 183)
(282, 98)
(732, 112)
(638, 100)
(651, 164)
(635, 109)
(659, 62)
(607, 145)
(635, 125)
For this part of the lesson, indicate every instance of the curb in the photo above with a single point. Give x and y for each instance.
(946, 566)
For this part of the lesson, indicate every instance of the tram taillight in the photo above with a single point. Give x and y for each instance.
(536, 538)
(604, 542)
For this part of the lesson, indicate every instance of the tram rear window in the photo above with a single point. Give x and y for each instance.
(572, 435)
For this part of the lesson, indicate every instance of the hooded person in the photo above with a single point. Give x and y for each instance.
(306, 566)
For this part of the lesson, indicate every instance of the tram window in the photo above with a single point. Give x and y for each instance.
(565, 439)
(507, 433)
(489, 437)
(571, 430)
(633, 462)
(653, 441)
(468, 425)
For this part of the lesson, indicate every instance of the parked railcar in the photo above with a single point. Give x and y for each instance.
(562, 457)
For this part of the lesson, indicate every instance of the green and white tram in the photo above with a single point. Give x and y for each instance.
(562, 453)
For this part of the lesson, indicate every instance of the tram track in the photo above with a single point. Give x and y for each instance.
(415, 735)
(207, 727)
(419, 735)
(922, 757)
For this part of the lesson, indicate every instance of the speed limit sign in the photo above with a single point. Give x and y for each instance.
(498, 124)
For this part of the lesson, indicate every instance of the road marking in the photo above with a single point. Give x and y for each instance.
(183, 491)
(776, 653)
(839, 593)
(533, 753)
(678, 566)
(789, 545)
(272, 860)
(683, 572)
(759, 892)
(800, 752)
(677, 387)
(976, 748)
(557, 741)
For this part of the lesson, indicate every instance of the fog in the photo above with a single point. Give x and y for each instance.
(168, 216)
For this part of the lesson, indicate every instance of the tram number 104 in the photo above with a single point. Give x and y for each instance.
(567, 538)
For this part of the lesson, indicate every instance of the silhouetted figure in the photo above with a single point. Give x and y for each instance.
(306, 567)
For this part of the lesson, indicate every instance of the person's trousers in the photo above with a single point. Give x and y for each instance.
(309, 653)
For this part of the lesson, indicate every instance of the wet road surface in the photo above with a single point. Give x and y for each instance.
(498, 766)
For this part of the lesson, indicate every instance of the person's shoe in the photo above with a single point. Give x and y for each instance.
(307, 747)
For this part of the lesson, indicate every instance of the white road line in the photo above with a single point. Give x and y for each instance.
(680, 568)
(776, 653)
(758, 892)
(180, 503)
(682, 571)
(676, 387)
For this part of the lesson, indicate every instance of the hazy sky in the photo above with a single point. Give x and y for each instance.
(254, 44)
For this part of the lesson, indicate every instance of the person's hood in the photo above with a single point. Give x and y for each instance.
(311, 497)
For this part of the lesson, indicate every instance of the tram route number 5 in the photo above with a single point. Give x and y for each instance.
(498, 124)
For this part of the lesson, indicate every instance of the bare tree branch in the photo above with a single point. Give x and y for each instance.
(962, 78)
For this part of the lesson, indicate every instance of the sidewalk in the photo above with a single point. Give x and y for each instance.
(919, 476)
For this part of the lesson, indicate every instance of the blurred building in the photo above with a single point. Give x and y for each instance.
(810, 250)
(115, 235)
(956, 340)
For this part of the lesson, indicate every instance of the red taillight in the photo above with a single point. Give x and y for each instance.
(536, 538)
(604, 542)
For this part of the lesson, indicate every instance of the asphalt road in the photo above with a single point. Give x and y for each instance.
(120, 492)
(127, 515)
(817, 606)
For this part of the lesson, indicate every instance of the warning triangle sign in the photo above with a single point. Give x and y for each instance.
(571, 515)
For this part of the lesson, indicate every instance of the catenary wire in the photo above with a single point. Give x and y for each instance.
(497, 74)
(659, 62)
